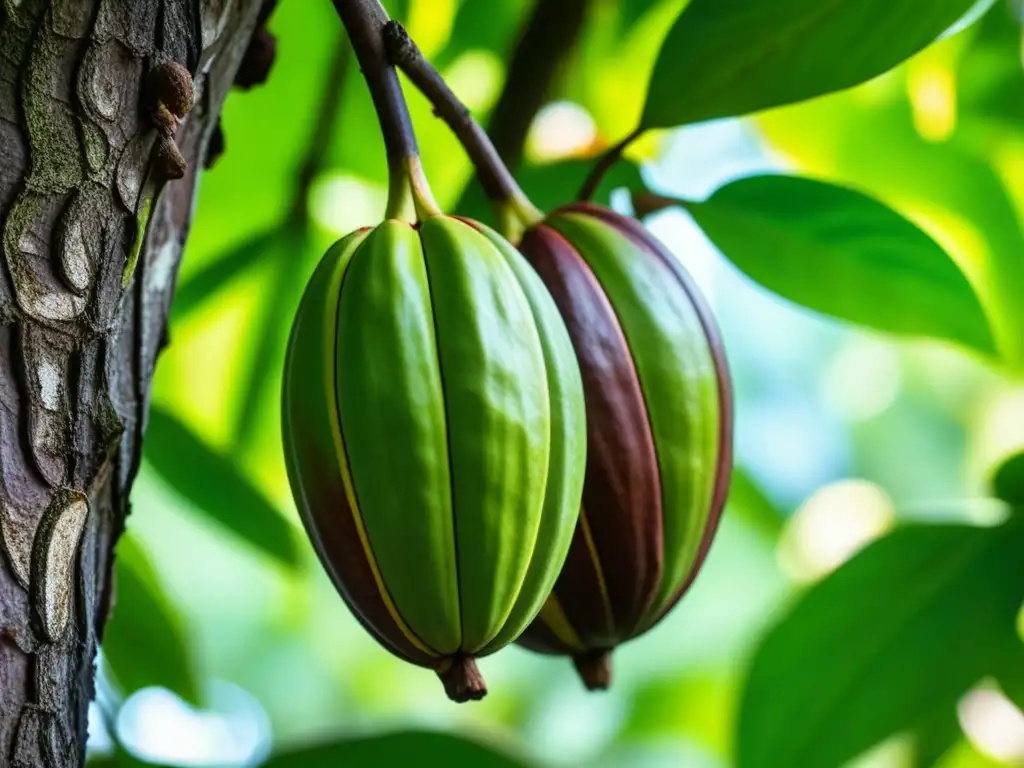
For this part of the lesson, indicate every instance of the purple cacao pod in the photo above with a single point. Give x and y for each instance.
(659, 424)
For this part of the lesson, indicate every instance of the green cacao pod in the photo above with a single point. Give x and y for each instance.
(659, 423)
(435, 438)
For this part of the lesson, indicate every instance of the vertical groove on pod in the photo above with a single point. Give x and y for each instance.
(553, 617)
(332, 340)
(311, 458)
(635, 231)
(602, 585)
(724, 464)
(622, 490)
(447, 435)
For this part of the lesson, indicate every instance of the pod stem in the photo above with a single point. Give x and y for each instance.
(462, 679)
(595, 669)
(604, 164)
(409, 193)
(496, 179)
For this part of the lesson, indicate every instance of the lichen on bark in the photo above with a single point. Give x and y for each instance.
(77, 348)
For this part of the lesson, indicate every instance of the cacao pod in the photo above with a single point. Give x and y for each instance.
(659, 423)
(435, 438)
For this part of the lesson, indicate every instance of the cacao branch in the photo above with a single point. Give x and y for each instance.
(364, 20)
(402, 51)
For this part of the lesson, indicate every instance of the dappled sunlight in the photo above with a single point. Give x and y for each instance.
(476, 76)
(341, 203)
(994, 724)
(430, 22)
(933, 98)
(863, 380)
(998, 430)
(832, 526)
(157, 726)
(560, 130)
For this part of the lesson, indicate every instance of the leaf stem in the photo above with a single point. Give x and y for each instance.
(604, 164)
(497, 181)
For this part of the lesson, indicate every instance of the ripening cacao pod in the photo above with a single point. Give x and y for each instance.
(435, 438)
(659, 424)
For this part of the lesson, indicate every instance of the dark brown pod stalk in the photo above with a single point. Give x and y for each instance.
(659, 423)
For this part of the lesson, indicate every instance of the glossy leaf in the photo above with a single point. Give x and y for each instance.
(1008, 482)
(214, 484)
(725, 58)
(404, 748)
(844, 254)
(912, 620)
(964, 198)
(145, 643)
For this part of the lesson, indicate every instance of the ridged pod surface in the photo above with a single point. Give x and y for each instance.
(435, 436)
(659, 423)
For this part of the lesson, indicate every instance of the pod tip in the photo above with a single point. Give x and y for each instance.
(462, 679)
(595, 669)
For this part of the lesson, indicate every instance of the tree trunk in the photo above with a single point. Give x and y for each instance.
(77, 350)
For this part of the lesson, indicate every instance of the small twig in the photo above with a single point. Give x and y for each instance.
(546, 42)
(604, 164)
(497, 181)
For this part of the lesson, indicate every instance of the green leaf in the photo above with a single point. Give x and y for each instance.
(726, 58)
(963, 196)
(121, 759)
(483, 25)
(697, 707)
(145, 643)
(844, 254)
(289, 258)
(935, 735)
(1008, 482)
(405, 748)
(215, 485)
(913, 620)
(749, 504)
(631, 11)
(990, 82)
(1010, 674)
(221, 271)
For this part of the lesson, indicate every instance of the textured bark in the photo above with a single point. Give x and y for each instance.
(77, 350)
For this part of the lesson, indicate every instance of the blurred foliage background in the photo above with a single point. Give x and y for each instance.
(229, 644)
